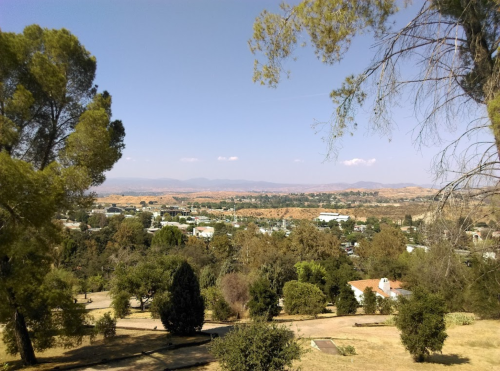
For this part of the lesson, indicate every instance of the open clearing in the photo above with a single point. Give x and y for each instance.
(473, 347)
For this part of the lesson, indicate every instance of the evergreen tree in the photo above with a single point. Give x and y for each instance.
(182, 310)
(369, 301)
(346, 301)
(56, 140)
(263, 300)
(422, 324)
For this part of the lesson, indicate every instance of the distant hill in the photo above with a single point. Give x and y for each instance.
(144, 186)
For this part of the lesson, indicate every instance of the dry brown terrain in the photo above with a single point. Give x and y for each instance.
(168, 198)
(473, 347)
(417, 210)
(468, 348)
(394, 211)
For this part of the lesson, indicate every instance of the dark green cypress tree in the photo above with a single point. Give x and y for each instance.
(369, 301)
(263, 300)
(346, 301)
(183, 310)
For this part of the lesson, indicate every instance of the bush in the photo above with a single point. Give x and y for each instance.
(391, 321)
(348, 350)
(106, 326)
(459, 319)
(263, 300)
(234, 287)
(257, 347)
(303, 298)
(369, 301)
(182, 310)
(214, 300)
(346, 301)
(385, 305)
(421, 322)
(121, 304)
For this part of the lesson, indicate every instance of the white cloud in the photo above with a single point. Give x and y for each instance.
(359, 162)
(232, 158)
(189, 159)
(128, 158)
(298, 160)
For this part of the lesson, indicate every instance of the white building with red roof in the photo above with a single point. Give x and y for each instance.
(383, 288)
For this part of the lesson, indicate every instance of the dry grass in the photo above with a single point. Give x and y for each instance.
(473, 347)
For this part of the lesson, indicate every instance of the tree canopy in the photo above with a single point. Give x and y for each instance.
(56, 140)
(450, 47)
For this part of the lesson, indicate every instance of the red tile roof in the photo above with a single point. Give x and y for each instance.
(373, 283)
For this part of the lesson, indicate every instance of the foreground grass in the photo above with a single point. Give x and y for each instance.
(472, 347)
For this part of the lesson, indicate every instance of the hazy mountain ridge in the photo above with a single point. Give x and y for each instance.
(145, 185)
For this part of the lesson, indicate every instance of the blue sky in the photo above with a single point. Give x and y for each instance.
(180, 73)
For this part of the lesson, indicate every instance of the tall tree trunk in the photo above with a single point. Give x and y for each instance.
(23, 339)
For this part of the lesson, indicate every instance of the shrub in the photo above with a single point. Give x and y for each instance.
(121, 304)
(346, 301)
(459, 319)
(234, 287)
(385, 305)
(106, 326)
(421, 322)
(348, 350)
(263, 300)
(214, 300)
(369, 301)
(303, 298)
(256, 346)
(391, 321)
(182, 310)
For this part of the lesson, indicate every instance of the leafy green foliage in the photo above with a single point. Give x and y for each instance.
(385, 305)
(121, 304)
(263, 300)
(303, 298)
(369, 301)
(151, 275)
(311, 272)
(347, 350)
(346, 301)
(183, 310)
(459, 319)
(483, 294)
(214, 300)
(168, 236)
(339, 271)
(257, 347)
(421, 321)
(106, 326)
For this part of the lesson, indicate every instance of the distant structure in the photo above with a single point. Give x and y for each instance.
(383, 288)
(326, 217)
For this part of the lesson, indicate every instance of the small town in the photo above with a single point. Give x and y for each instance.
(225, 185)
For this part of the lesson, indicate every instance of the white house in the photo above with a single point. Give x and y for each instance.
(204, 232)
(383, 288)
(326, 217)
